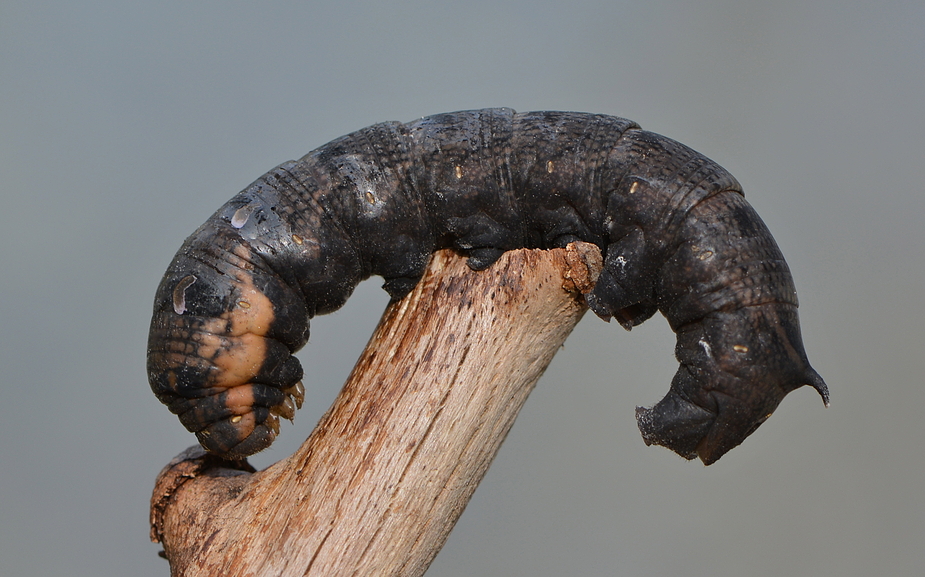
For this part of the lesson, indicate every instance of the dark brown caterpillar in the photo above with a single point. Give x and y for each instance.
(677, 235)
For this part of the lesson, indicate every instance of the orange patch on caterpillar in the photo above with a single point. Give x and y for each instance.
(239, 361)
(229, 361)
(253, 312)
(239, 401)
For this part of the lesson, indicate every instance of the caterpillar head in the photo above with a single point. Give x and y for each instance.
(221, 342)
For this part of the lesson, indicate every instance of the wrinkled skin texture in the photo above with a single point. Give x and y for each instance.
(675, 230)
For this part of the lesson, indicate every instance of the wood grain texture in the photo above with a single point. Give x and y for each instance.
(379, 484)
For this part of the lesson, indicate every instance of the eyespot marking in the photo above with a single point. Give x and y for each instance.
(239, 219)
(179, 294)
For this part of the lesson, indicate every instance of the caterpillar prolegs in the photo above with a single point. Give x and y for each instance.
(676, 233)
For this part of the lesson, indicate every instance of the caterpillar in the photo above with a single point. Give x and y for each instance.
(674, 227)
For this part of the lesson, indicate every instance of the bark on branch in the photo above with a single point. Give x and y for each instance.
(379, 484)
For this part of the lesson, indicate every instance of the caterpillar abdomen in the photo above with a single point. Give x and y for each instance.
(676, 233)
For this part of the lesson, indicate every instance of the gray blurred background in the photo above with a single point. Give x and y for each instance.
(123, 125)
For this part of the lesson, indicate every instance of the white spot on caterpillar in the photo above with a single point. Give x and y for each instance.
(549, 166)
(458, 171)
(706, 347)
(621, 261)
(179, 294)
(239, 219)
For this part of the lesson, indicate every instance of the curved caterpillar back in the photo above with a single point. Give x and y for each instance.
(675, 230)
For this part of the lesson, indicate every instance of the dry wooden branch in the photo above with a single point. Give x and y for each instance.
(379, 484)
